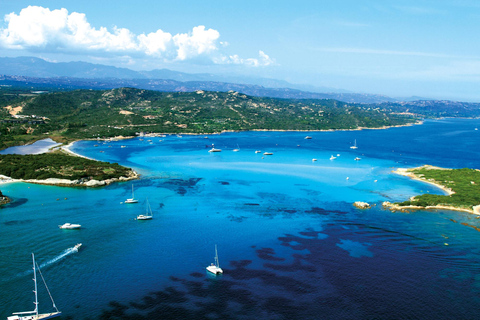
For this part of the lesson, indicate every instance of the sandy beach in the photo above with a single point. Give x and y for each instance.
(49, 145)
(408, 173)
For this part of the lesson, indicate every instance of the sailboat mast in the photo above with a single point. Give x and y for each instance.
(35, 281)
(216, 257)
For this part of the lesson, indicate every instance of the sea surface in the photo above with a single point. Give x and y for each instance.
(290, 242)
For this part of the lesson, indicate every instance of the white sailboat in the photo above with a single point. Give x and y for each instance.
(148, 213)
(34, 315)
(354, 145)
(215, 267)
(132, 199)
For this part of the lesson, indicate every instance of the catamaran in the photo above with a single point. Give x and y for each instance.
(215, 268)
(132, 199)
(34, 315)
(148, 214)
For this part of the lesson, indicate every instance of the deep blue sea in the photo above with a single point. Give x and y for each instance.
(290, 242)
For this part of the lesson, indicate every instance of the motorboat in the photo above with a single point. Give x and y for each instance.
(214, 149)
(333, 158)
(267, 153)
(77, 246)
(70, 226)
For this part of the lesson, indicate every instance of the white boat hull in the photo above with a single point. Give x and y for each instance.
(35, 317)
(70, 226)
(214, 269)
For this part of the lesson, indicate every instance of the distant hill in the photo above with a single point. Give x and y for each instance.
(76, 75)
(86, 114)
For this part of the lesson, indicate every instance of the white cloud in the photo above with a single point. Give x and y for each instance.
(200, 41)
(263, 60)
(43, 30)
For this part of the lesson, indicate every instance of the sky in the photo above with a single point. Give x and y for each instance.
(398, 48)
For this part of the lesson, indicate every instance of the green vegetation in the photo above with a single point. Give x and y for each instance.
(58, 165)
(465, 183)
(86, 114)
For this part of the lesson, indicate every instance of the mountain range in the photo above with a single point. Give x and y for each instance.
(31, 71)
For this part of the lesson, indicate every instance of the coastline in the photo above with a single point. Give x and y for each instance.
(70, 183)
(66, 182)
(408, 173)
(67, 149)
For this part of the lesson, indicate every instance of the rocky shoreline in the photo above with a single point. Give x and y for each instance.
(72, 183)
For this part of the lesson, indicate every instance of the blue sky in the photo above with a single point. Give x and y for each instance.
(426, 48)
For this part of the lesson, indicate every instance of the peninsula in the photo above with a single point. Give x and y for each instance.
(462, 188)
(58, 168)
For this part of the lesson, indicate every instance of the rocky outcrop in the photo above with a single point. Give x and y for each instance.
(361, 205)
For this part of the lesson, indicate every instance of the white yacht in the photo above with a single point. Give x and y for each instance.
(267, 153)
(148, 213)
(333, 158)
(354, 145)
(34, 315)
(132, 199)
(70, 226)
(214, 149)
(215, 267)
(357, 159)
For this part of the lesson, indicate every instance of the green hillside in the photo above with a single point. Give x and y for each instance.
(83, 114)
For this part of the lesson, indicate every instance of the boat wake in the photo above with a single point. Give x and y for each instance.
(65, 253)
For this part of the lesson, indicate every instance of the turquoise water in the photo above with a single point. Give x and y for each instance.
(290, 242)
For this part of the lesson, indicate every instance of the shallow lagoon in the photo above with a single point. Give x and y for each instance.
(290, 242)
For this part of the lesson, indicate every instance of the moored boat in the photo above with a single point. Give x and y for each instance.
(70, 226)
(148, 214)
(215, 267)
(132, 199)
